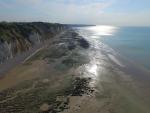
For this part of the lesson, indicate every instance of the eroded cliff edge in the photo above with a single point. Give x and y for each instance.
(16, 38)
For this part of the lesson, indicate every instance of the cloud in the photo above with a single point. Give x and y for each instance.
(73, 12)
(123, 19)
(70, 11)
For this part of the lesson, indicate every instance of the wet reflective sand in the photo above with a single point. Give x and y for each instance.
(120, 85)
(76, 75)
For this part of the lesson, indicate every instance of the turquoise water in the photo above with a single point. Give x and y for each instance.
(132, 42)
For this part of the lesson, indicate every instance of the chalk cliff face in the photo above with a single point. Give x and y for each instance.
(19, 37)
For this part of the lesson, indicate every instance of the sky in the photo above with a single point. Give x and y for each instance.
(99, 12)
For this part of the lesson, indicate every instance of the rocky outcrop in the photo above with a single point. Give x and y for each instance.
(16, 38)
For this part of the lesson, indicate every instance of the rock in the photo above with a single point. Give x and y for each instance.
(45, 80)
(45, 107)
(62, 99)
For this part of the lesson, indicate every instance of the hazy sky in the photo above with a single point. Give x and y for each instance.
(111, 12)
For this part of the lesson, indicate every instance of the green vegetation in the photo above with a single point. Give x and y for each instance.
(11, 31)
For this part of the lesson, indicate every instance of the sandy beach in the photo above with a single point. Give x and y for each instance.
(75, 74)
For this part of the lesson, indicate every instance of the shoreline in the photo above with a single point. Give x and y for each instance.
(71, 73)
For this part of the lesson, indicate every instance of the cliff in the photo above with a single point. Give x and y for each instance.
(16, 38)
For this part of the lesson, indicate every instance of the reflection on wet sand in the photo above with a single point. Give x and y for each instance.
(115, 89)
(74, 75)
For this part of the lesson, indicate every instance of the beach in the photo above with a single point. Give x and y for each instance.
(75, 73)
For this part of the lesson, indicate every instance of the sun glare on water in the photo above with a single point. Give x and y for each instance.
(93, 70)
(102, 30)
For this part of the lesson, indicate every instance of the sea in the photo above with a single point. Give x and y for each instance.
(132, 43)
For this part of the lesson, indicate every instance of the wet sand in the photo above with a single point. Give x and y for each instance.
(75, 75)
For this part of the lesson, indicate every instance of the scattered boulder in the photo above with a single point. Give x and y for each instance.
(62, 99)
(45, 107)
(45, 80)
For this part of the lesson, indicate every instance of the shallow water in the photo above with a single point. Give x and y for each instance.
(122, 82)
(131, 42)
